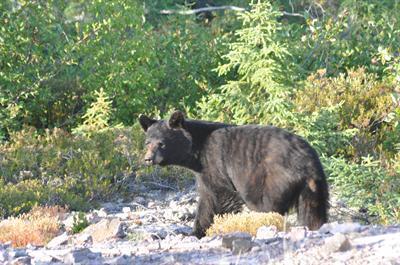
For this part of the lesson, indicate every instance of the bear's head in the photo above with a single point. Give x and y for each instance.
(167, 142)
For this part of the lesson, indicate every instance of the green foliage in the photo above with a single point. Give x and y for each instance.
(97, 117)
(356, 33)
(320, 129)
(367, 185)
(259, 93)
(364, 103)
(80, 222)
(62, 169)
(20, 197)
(54, 55)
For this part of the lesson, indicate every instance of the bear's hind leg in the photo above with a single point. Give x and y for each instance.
(313, 204)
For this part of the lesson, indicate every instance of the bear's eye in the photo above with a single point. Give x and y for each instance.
(161, 145)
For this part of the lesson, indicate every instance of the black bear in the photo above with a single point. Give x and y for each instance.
(264, 167)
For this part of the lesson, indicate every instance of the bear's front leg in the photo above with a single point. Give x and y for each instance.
(205, 213)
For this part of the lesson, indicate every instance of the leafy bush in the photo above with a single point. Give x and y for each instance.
(96, 118)
(364, 103)
(244, 222)
(55, 54)
(80, 223)
(351, 35)
(367, 186)
(59, 168)
(258, 57)
(320, 128)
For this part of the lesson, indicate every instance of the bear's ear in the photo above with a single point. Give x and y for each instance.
(176, 120)
(145, 122)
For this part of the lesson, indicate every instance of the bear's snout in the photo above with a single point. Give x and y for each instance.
(148, 161)
(153, 155)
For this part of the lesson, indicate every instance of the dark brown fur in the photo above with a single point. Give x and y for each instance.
(264, 167)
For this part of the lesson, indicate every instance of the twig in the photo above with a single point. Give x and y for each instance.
(160, 185)
(215, 8)
(293, 14)
(203, 9)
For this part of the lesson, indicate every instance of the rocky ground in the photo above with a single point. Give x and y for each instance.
(154, 226)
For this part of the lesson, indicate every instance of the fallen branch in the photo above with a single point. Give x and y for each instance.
(293, 14)
(203, 9)
(160, 185)
(215, 8)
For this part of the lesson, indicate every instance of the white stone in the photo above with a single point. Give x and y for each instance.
(345, 228)
(58, 241)
(266, 232)
(126, 209)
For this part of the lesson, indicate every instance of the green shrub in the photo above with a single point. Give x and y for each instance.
(257, 62)
(366, 185)
(320, 128)
(364, 103)
(80, 223)
(353, 34)
(63, 169)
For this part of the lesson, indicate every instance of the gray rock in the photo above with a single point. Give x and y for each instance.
(336, 243)
(266, 232)
(5, 245)
(170, 214)
(105, 229)
(241, 245)
(126, 210)
(181, 229)
(185, 214)
(190, 239)
(68, 222)
(121, 260)
(151, 204)
(22, 261)
(42, 257)
(83, 239)
(344, 228)
(101, 212)
(3, 255)
(227, 240)
(298, 233)
(58, 241)
(93, 217)
(256, 248)
(173, 204)
(154, 232)
(168, 259)
(83, 256)
(31, 247)
(140, 200)
(17, 253)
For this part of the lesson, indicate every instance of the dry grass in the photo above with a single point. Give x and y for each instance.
(244, 222)
(36, 227)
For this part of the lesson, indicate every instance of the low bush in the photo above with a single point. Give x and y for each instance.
(58, 168)
(80, 223)
(367, 185)
(364, 103)
(36, 227)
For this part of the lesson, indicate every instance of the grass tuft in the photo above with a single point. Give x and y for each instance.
(244, 222)
(36, 227)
